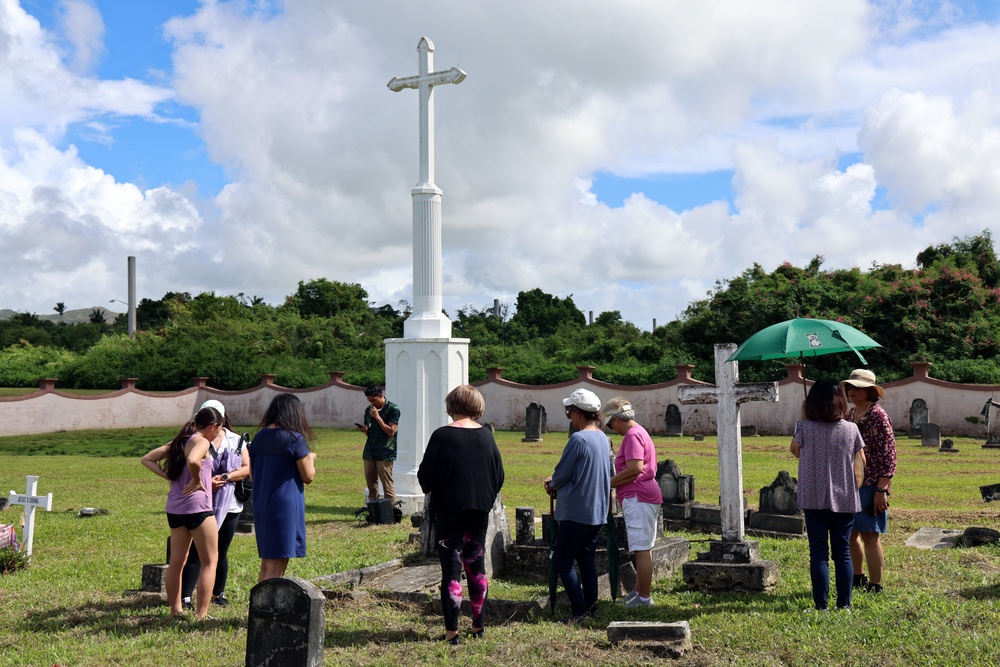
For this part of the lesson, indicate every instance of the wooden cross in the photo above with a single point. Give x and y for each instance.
(727, 393)
(30, 502)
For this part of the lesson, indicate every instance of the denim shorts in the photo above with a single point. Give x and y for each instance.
(865, 522)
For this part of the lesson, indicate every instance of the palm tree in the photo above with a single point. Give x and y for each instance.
(97, 316)
(60, 308)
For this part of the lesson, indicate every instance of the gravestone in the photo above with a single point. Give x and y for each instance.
(244, 524)
(918, 417)
(990, 492)
(677, 491)
(930, 435)
(665, 640)
(286, 624)
(534, 423)
(992, 436)
(779, 496)
(524, 525)
(675, 427)
(978, 536)
(732, 563)
(498, 537)
(948, 446)
(778, 511)
(934, 539)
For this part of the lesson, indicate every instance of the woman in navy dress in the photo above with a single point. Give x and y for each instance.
(280, 464)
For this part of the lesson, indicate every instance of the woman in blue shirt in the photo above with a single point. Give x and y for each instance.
(582, 479)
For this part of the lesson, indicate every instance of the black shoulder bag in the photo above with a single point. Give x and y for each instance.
(244, 487)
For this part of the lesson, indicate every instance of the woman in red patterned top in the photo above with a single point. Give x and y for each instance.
(880, 466)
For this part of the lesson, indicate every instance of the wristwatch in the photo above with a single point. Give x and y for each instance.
(225, 477)
(885, 491)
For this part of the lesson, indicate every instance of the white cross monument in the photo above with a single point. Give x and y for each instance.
(30, 502)
(423, 366)
(733, 563)
(728, 394)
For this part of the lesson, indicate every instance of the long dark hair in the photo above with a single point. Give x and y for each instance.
(286, 413)
(826, 401)
(176, 460)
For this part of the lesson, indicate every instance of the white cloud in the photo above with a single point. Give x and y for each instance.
(322, 156)
(84, 29)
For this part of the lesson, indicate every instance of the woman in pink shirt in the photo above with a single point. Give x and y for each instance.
(638, 493)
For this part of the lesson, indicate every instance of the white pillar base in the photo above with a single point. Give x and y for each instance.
(419, 373)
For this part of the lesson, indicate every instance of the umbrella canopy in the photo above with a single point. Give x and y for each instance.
(803, 337)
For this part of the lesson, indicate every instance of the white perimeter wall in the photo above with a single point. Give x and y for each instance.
(955, 407)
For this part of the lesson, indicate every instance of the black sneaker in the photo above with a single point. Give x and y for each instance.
(187, 604)
(874, 588)
(860, 581)
(221, 600)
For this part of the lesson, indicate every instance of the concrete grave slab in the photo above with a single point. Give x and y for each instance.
(934, 538)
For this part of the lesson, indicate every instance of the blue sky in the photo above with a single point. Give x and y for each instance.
(245, 146)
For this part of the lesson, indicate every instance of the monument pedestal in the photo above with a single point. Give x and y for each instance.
(419, 373)
(731, 566)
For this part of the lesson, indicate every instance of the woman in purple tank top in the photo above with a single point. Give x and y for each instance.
(186, 463)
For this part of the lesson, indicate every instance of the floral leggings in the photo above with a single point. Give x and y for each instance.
(461, 536)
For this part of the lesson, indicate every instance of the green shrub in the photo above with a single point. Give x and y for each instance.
(12, 560)
(967, 371)
(22, 365)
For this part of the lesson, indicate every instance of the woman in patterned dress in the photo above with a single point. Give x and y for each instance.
(880, 466)
(826, 446)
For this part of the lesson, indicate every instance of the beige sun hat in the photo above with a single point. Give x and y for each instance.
(862, 377)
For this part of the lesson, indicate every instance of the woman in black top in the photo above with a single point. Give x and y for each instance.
(463, 472)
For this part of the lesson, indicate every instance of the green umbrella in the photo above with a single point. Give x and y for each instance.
(803, 337)
(553, 571)
(613, 562)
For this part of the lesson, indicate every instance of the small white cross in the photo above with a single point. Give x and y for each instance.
(30, 502)
(728, 394)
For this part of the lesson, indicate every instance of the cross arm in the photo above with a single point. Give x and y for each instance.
(697, 393)
(453, 75)
(757, 391)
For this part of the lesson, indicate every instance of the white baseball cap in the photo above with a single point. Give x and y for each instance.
(584, 399)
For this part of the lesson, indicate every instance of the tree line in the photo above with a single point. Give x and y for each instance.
(946, 311)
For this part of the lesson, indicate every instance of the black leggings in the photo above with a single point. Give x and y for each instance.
(189, 577)
(461, 536)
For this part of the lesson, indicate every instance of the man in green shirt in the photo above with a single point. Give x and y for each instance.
(380, 423)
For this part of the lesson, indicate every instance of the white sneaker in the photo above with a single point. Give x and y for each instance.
(628, 598)
(638, 601)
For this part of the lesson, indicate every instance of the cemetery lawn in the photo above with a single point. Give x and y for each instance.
(67, 608)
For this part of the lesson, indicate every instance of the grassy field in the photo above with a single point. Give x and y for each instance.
(939, 608)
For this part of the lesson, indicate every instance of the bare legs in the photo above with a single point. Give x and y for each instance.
(644, 572)
(206, 540)
(866, 546)
(271, 568)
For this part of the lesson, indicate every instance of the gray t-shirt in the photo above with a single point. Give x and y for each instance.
(582, 479)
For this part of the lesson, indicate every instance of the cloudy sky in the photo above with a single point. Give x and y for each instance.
(628, 153)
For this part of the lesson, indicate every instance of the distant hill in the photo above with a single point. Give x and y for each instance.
(78, 316)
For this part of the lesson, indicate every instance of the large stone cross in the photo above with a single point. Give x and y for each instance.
(425, 82)
(727, 393)
(427, 320)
